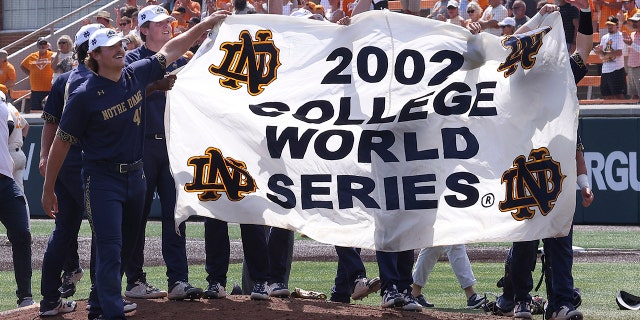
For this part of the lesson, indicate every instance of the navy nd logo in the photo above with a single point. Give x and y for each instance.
(213, 174)
(523, 48)
(533, 183)
(254, 63)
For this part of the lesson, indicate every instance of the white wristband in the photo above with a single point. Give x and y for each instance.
(534, 23)
(583, 181)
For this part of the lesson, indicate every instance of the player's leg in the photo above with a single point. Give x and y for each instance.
(426, 261)
(137, 285)
(459, 261)
(280, 247)
(14, 217)
(523, 260)
(254, 244)
(105, 195)
(388, 270)
(217, 250)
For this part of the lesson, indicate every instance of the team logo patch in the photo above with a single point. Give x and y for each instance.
(533, 183)
(252, 62)
(214, 174)
(523, 49)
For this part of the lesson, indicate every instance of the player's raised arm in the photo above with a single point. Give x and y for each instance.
(177, 46)
(584, 37)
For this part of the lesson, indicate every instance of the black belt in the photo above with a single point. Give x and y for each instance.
(156, 136)
(121, 167)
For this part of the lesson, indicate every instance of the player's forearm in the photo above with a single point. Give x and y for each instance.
(581, 167)
(48, 132)
(57, 154)
(584, 35)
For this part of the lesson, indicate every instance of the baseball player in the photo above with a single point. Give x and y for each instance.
(62, 249)
(107, 115)
(14, 214)
(557, 250)
(155, 30)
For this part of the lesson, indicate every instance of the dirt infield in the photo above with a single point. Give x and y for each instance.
(240, 307)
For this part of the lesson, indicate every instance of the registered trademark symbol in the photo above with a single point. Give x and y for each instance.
(487, 200)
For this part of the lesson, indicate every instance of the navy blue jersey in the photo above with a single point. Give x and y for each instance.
(157, 100)
(107, 117)
(61, 89)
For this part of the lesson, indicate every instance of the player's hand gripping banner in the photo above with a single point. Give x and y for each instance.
(393, 133)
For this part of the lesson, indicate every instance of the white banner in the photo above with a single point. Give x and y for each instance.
(393, 133)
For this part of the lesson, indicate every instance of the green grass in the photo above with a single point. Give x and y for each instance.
(599, 282)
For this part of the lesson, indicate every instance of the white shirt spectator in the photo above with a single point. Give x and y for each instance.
(494, 13)
(616, 44)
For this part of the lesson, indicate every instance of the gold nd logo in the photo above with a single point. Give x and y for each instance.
(213, 174)
(254, 63)
(533, 183)
(523, 48)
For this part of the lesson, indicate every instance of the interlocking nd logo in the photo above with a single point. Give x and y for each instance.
(254, 63)
(533, 183)
(213, 174)
(523, 49)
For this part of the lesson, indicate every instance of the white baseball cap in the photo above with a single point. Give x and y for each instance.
(508, 21)
(85, 32)
(154, 14)
(105, 37)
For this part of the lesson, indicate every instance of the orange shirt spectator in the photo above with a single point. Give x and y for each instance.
(7, 71)
(38, 67)
(347, 6)
(192, 8)
(607, 8)
(631, 11)
(180, 24)
(483, 4)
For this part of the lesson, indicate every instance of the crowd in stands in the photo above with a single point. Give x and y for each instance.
(146, 28)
